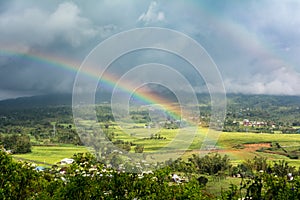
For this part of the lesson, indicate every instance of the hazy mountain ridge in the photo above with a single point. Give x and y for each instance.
(233, 100)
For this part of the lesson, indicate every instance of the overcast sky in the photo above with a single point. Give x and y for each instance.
(255, 44)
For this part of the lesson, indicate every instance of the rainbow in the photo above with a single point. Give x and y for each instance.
(107, 80)
(234, 31)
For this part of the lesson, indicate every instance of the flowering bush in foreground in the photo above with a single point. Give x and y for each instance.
(85, 178)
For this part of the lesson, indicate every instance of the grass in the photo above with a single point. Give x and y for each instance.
(231, 138)
(49, 155)
(215, 186)
(225, 142)
(228, 140)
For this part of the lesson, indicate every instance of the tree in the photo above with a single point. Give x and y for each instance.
(17, 143)
(18, 180)
(212, 163)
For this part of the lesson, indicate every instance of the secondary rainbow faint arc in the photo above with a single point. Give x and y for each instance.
(107, 79)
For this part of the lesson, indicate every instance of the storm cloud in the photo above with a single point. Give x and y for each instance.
(255, 44)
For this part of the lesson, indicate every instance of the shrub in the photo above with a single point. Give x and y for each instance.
(211, 163)
(139, 148)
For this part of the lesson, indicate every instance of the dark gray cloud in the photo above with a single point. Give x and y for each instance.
(255, 44)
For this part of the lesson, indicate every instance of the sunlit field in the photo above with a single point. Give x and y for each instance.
(49, 155)
(237, 145)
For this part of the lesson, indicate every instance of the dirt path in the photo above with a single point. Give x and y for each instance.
(254, 147)
(247, 148)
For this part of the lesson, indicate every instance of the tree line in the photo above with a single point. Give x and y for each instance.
(16, 143)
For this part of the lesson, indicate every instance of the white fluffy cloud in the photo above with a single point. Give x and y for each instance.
(279, 81)
(152, 15)
(34, 26)
(67, 22)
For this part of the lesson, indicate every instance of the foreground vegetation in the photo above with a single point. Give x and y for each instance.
(86, 178)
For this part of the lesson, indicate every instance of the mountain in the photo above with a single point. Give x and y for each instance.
(233, 100)
(37, 101)
(45, 100)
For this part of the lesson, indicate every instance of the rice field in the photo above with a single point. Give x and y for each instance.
(182, 141)
(224, 145)
(49, 155)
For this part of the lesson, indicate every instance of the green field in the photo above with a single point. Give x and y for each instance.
(49, 155)
(225, 144)
(215, 186)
